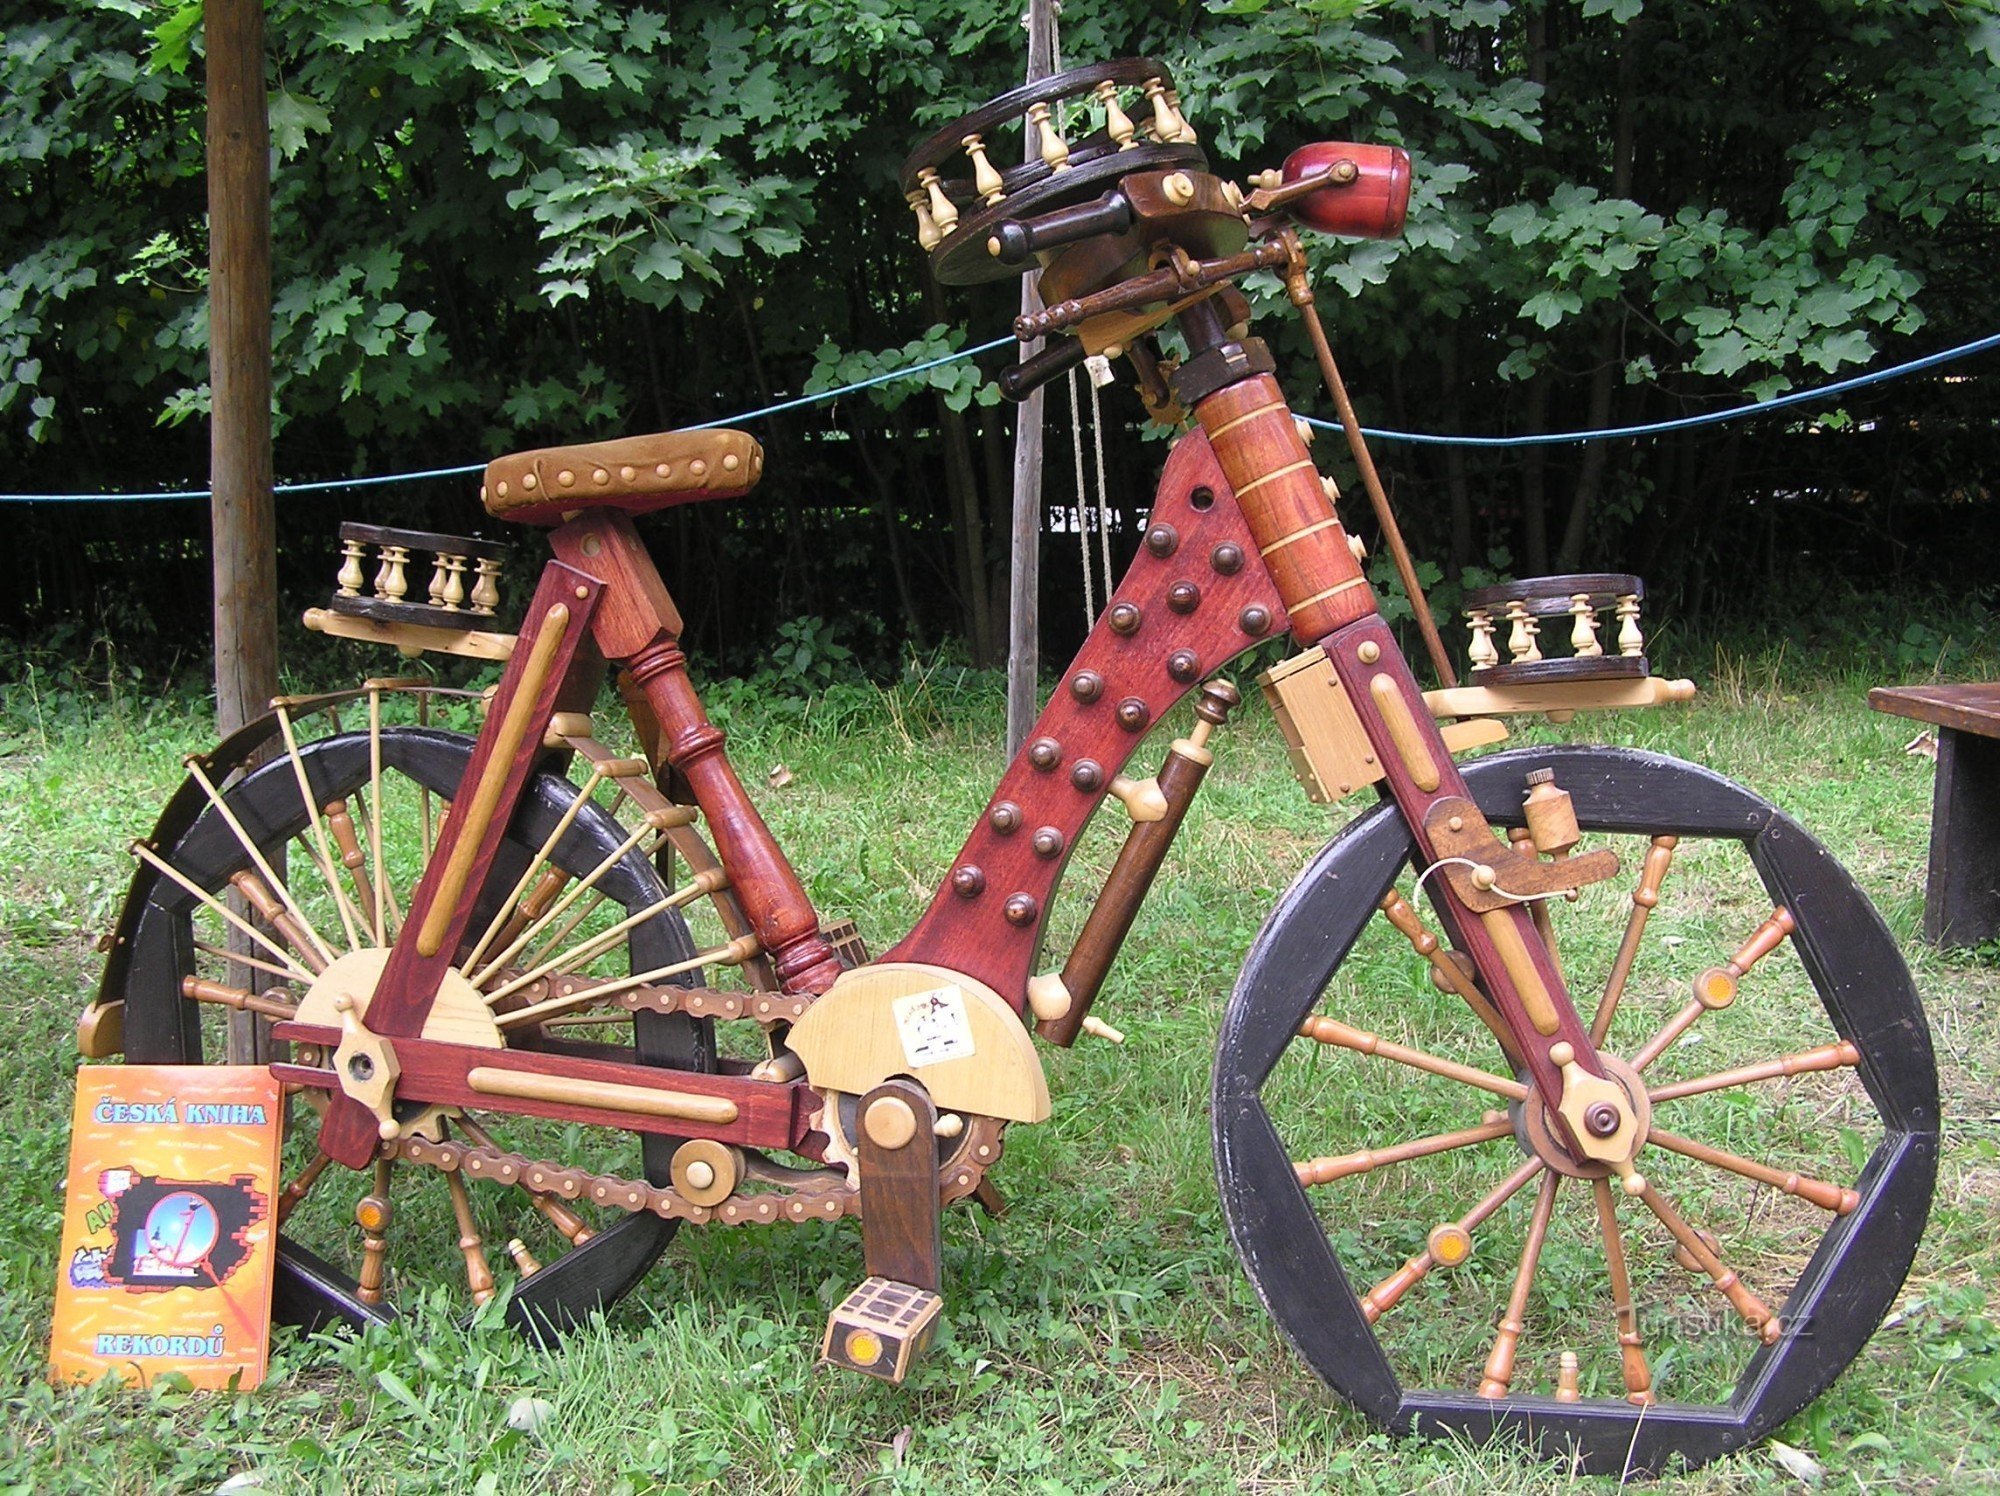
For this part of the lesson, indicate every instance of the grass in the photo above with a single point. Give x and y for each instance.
(1101, 1336)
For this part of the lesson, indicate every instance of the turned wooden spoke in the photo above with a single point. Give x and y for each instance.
(384, 899)
(1445, 970)
(289, 967)
(1669, 1031)
(1325, 1170)
(320, 851)
(543, 858)
(255, 853)
(1332, 1032)
(1754, 1311)
(203, 991)
(372, 1215)
(583, 885)
(298, 934)
(1499, 1372)
(1384, 1296)
(244, 958)
(345, 838)
(1652, 873)
(301, 1185)
(599, 943)
(478, 1274)
(1826, 1057)
(552, 882)
(735, 953)
(1818, 1192)
(1631, 1348)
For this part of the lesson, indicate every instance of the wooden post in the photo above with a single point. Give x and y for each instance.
(244, 527)
(1024, 597)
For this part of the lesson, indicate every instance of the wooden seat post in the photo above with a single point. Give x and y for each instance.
(639, 627)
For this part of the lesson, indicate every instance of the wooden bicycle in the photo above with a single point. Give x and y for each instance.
(1647, 1226)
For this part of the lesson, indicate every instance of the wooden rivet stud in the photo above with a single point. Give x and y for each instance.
(968, 881)
(600, 476)
(1020, 909)
(1369, 652)
(731, 462)
(1184, 665)
(1124, 618)
(528, 482)
(698, 468)
(1086, 686)
(1183, 597)
(1162, 540)
(1048, 842)
(1088, 775)
(663, 470)
(628, 474)
(566, 478)
(1254, 621)
(1227, 558)
(1133, 714)
(1045, 753)
(1005, 817)
(501, 489)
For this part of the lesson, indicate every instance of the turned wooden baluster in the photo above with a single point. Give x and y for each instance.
(1054, 152)
(944, 212)
(351, 575)
(391, 585)
(1583, 633)
(1630, 640)
(1117, 123)
(1483, 652)
(486, 585)
(1521, 642)
(985, 180)
(929, 236)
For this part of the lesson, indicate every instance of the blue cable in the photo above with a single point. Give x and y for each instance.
(1680, 423)
(1537, 439)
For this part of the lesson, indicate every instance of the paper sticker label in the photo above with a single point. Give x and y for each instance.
(934, 1026)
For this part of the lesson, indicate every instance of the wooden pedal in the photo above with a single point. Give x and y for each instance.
(881, 1328)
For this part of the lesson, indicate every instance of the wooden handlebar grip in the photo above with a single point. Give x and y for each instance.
(1278, 489)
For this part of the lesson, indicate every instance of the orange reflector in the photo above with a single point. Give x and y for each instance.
(863, 1347)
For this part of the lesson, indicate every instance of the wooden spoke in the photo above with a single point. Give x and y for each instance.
(385, 901)
(1801, 1186)
(542, 859)
(256, 855)
(372, 1215)
(1446, 972)
(1332, 1032)
(244, 958)
(1669, 1031)
(531, 908)
(1499, 1373)
(1652, 873)
(1826, 1057)
(1631, 1349)
(298, 934)
(1754, 1311)
(289, 966)
(597, 944)
(203, 991)
(583, 885)
(732, 954)
(1325, 1170)
(301, 1185)
(1384, 1296)
(341, 823)
(320, 850)
(478, 1274)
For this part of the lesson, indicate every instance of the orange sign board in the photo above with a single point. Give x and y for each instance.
(168, 1243)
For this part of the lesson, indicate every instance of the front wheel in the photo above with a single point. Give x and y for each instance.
(1425, 1244)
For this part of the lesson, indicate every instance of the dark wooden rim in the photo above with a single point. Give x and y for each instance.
(425, 540)
(1539, 592)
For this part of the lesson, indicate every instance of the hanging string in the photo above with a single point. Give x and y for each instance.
(1081, 513)
(1100, 375)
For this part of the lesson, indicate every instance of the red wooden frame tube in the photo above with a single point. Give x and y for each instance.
(1279, 492)
(639, 627)
(768, 1114)
(1515, 967)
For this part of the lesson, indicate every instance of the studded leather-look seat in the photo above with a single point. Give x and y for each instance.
(635, 474)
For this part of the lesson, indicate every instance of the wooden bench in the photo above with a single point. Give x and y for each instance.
(1962, 895)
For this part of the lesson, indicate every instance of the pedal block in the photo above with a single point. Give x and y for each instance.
(881, 1328)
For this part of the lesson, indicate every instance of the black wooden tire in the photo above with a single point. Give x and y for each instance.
(1846, 957)
(155, 951)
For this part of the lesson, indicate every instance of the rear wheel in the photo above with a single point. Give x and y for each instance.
(308, 861)
(1445, 1265)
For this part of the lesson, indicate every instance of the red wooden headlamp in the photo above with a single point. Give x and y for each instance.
(1367, 192)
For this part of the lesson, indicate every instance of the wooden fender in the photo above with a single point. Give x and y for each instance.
(951, 1032)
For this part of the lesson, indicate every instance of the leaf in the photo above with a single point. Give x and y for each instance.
(400, 1390)
(1620, 11)
(294, 117)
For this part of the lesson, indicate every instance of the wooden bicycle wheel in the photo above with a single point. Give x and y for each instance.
(321, 847)
(1403, 1213)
